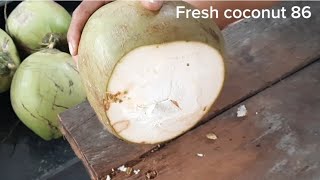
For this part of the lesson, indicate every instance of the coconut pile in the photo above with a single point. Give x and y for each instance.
(149, 76)
(36, 68)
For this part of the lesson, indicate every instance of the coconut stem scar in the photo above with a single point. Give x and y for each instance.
(183, 12)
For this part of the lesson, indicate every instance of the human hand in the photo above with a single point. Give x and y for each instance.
(83, 12)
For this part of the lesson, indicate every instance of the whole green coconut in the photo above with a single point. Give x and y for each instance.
(9, 60)
(34, 25)
(46, 84)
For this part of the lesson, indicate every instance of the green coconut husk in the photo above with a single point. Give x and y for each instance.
(35, 25)
(9, 60)
(47, 83)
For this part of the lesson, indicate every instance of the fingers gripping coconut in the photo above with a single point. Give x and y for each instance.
(35, 25)
(148, 75)
(9, 60)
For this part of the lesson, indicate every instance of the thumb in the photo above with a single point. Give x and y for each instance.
(152, 5)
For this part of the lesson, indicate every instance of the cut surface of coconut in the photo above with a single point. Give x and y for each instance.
(157, 92)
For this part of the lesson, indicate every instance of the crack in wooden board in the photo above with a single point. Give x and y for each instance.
(260, 52)
(278, 139)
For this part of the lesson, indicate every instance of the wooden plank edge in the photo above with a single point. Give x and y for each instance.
(75, 148)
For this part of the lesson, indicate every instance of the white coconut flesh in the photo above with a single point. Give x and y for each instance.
(163, 90)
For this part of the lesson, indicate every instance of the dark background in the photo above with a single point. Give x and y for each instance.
(23, 155)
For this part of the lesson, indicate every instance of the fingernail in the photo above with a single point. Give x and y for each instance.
(71, 49)
(156, 3)
(75, 58)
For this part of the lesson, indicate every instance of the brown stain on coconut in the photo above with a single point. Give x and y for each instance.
(205, 108)
(113, 98)
(175, 103)
(121, 125)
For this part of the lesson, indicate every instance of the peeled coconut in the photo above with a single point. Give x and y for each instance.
(150, 76)
(9, 60)
(46, 84)
(34, 25)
